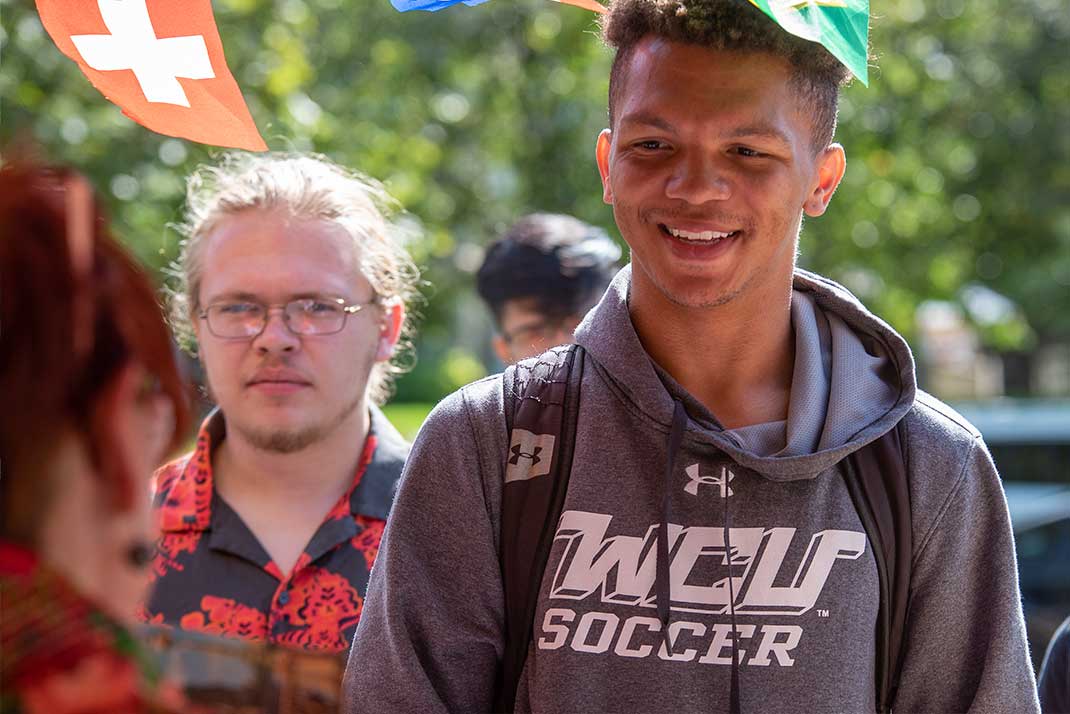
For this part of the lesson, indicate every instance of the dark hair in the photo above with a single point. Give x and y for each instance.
(559, 261)
(728, 25)
(75, 309)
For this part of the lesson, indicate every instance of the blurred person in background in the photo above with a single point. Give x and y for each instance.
(1054, 681)
(539, 280)
(92, 403)
(293, 288)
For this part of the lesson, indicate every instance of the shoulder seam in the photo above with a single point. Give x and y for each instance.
(952, 418)
(944, 507)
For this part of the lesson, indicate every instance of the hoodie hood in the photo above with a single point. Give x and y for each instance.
(853, 381)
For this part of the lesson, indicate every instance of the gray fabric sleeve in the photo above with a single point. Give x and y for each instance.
(965, 643)
(430, 635)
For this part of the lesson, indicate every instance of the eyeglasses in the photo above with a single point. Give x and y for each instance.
(546, 330)
(244, 320)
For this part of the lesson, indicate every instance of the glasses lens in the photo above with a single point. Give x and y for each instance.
(315, 317)
(235, 319)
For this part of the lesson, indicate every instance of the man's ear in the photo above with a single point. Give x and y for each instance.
(501, 348)
(831, 164)
(602, 150)
(390, 328)
(117, 432)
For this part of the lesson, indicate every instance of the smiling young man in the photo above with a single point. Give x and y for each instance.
(712, 552)
(294, 285)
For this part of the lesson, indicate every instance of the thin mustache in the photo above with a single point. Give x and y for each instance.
(276, 365)
(662, 215)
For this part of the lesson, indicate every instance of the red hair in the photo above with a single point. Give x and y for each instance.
(75, 309)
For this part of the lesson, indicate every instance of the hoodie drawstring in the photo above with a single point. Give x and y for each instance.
(661, 576)
(733, 692)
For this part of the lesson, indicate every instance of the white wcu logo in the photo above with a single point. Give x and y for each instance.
(623, 567)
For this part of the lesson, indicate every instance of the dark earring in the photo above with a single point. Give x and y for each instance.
(140, 553)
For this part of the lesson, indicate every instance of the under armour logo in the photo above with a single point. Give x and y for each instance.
(519, 454)
(697, 480)
(531, 455)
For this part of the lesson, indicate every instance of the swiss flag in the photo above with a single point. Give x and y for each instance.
(161, 61)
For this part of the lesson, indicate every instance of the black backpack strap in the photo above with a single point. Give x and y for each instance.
(876, 477)
(541, 406)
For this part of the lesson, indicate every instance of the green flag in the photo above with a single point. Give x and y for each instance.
(840, 26)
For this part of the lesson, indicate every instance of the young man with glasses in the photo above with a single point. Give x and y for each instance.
(540, 278)
(293, 288)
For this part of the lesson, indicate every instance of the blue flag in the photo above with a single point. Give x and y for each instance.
(433, 5)
(429, 5)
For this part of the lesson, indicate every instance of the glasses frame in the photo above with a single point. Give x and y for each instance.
(542, 329)
(347, 310)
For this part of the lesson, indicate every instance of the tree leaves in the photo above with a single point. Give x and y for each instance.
(958, 154)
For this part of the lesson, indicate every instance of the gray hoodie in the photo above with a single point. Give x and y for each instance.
(804, 581)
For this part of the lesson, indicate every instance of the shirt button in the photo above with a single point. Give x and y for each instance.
(284, 597)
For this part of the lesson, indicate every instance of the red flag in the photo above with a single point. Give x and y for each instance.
(161, 61)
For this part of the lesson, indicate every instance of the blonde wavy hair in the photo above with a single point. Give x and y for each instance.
(311, 187)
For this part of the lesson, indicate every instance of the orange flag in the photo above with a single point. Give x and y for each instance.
(161, 61)
(586, 5)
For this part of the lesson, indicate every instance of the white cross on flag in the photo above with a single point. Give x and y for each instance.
(161, 61)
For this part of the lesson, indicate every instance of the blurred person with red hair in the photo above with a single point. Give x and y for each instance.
(92, 403)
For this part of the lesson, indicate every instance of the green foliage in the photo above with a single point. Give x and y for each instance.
(407, 417)
(958, 165)
(958, 154)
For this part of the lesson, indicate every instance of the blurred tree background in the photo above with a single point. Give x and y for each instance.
(957, 188)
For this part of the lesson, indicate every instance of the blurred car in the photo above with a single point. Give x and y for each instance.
(1040, 516)
(1029, 439)
(1030, 443)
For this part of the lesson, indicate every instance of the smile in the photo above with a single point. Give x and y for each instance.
(697, 237)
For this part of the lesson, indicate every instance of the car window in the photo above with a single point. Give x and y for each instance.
(1032, 462)
(1043, 555)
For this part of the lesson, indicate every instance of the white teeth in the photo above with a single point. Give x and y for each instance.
(704, 235)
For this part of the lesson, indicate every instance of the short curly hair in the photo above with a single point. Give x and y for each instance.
(307, 186)
(727, 25)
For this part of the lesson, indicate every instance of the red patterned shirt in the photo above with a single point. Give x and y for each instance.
(213, 575)
(61, 654)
